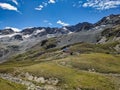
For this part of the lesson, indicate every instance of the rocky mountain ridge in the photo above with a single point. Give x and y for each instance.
(36, 32)
(12, 42)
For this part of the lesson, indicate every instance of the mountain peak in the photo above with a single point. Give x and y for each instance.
(6, 31)
(111, 19)
(13, 29)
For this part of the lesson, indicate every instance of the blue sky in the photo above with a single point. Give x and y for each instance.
(54, 13)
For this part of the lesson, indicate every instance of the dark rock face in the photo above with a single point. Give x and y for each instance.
(48, 30)
(51, 30)
(43, 42)
(84, 26)
(13, 48)
(112, 32)
(6, 31)
(17, 37)
(3, 52)
(112, 19)
(80, 27)
(50, 46)
(28, 31)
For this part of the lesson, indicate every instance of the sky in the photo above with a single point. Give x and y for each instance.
(22, 14)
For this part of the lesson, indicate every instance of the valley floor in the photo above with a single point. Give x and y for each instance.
(93, 71)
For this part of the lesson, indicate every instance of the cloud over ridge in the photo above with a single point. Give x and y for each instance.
(62, 23)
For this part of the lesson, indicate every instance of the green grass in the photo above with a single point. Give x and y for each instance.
(6, 85)
(110, 33)
(74, 73)
(70, 77)
(95, 48)
(104, 63)
(10, 66)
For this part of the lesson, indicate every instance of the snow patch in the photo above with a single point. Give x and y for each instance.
(108, 18)
(50, 35)
(14, 29)
(39, 31)
(27, 27)
(70, 32)
(101, 27)
(26, 36)
(65, 28)
(10, 35)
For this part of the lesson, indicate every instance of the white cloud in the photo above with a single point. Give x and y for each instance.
(77, 4)
(15, 1)
(51, 1)
(102, 4)
(40, 7)
(45, 4)
(49, 23)
(8, 7)
(45, 21)
(14, 29)
(62, 23)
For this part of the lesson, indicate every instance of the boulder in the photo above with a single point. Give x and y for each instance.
(30, 77)
(40, 80)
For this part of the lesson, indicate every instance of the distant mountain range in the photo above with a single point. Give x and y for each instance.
(36, 32)
(12, 42)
